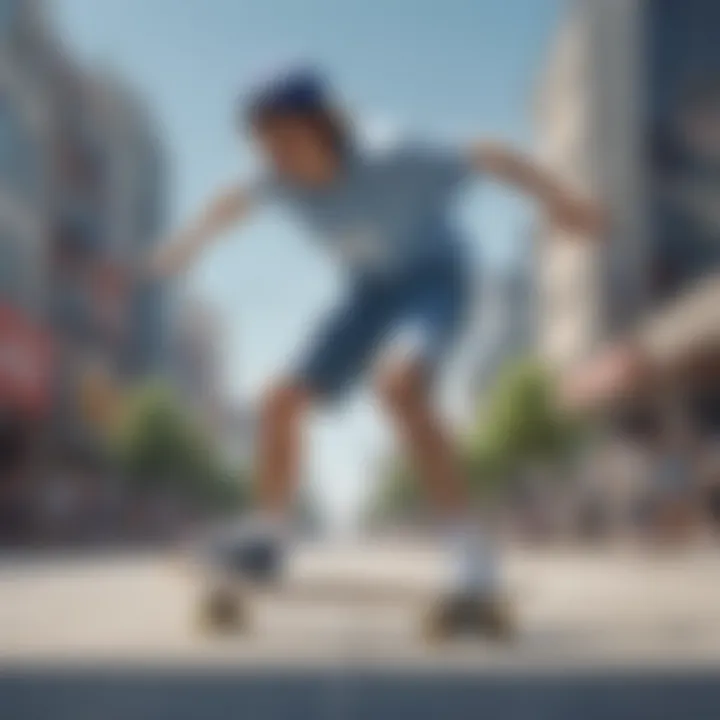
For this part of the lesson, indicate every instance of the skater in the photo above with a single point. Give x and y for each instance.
(386, 215)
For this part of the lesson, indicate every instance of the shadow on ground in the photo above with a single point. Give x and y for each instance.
(353, 694)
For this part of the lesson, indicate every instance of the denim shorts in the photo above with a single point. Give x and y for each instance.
(426, 302)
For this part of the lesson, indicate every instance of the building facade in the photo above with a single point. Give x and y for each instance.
(138, 213)
(628, 109)
(195, 356)
(683, 158)
(82, 199)
(509, 320)
(107, 210)
(24, 139)
(589, 132)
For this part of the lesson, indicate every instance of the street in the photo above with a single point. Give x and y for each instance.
(118, 631)
(574, 608)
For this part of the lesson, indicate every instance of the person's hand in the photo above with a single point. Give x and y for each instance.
(175, 255)
(576, 214)
(165, 261)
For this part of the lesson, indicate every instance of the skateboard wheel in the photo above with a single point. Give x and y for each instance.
(476, 617)
(222, 611)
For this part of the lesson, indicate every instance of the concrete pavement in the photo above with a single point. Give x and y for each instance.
(192, 694)
(603, 635)
(575, 609)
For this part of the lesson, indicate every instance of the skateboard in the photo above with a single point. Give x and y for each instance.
(227, 602)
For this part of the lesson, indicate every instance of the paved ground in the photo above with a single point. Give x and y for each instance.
(92, 695)
(612, 633)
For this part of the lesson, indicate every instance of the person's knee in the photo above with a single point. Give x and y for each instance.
(402, 387)
(283, 404)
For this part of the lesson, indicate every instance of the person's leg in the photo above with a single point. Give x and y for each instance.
(336, 357)
(405, 390)
(279, 448)
(429, 322)
(255, 547)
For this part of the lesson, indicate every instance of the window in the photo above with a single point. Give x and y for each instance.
(148, 198)
(13, 271)
(19, 155)
(8, 16)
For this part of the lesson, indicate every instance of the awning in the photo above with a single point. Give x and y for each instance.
(25, 363)
(615, 373)
(675, 337)
(689, 326)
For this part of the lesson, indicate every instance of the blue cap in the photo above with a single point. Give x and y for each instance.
(291, 91)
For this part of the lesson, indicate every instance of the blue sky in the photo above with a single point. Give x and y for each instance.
(454, 69)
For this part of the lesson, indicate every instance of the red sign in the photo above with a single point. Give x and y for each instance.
(25, 362)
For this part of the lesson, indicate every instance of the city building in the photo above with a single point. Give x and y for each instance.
(236, 430)
(24, 136)
(194, 370)
(588, 131)
(82, 199)
(194, 365)
(107, 210)
(24, 212)
(628, 109)
(138, 213)
(508, 323)
(26, 348)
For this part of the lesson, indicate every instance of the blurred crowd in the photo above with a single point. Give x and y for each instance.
(648, 488)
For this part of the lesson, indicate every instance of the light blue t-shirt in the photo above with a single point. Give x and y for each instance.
(388, 208)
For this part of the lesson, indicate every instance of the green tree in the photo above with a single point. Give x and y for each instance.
(161, 449)
(398, 494)
(518, 428)
(522, 422)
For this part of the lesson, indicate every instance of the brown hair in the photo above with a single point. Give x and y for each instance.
(330, 125)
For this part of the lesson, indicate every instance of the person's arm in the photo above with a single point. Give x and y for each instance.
(178, 252)
(567, 208)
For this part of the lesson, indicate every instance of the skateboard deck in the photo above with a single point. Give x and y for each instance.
(227, 602)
